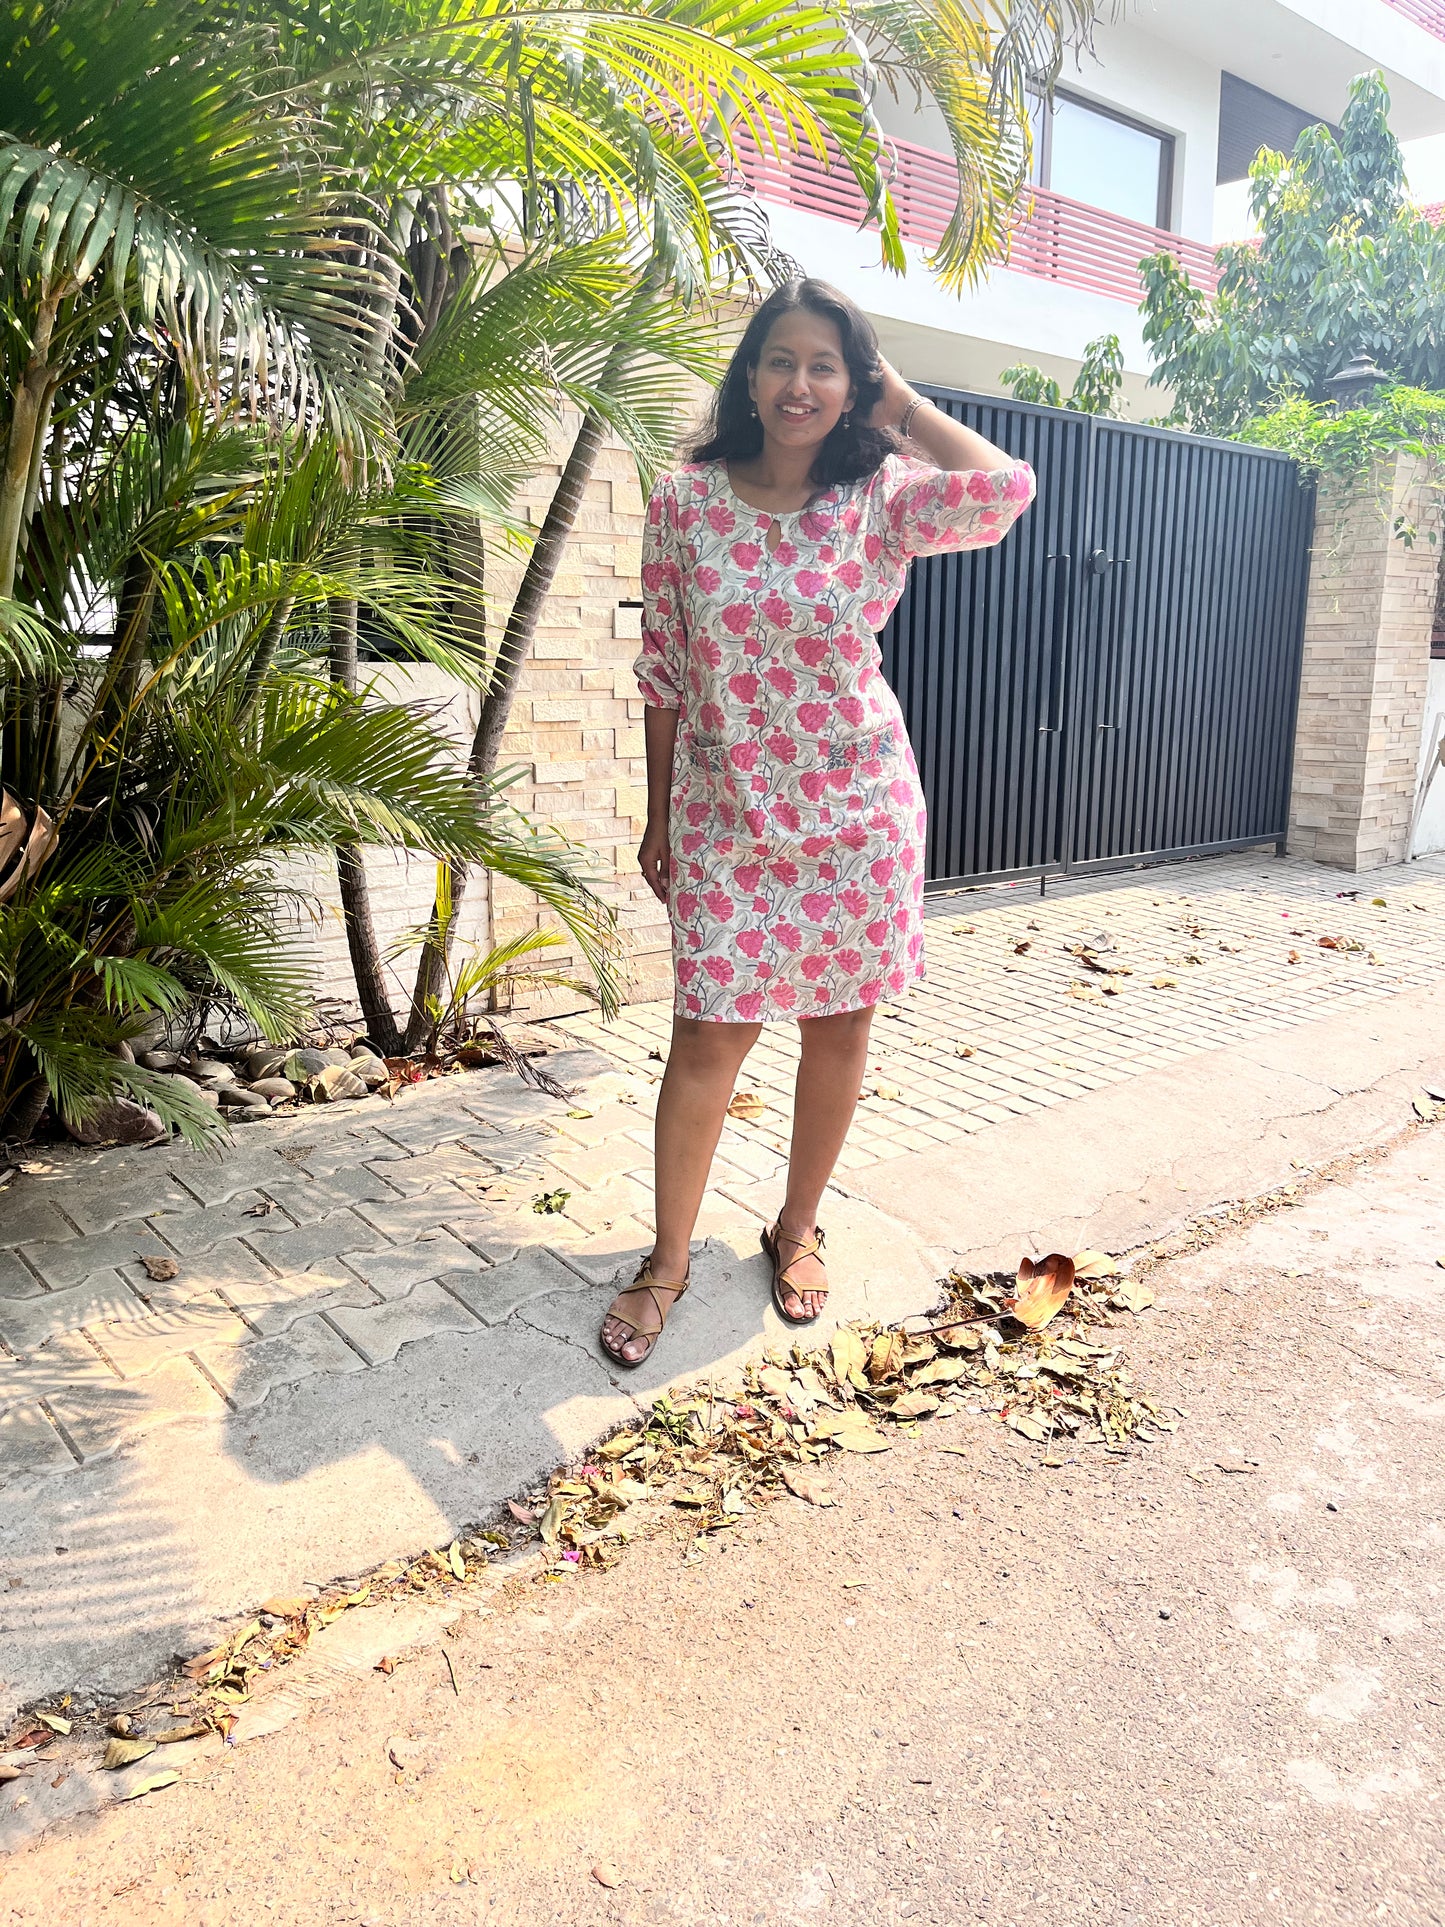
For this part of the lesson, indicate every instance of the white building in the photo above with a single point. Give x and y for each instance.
(1147, 145)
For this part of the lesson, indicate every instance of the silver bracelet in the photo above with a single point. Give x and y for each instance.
(919, 401)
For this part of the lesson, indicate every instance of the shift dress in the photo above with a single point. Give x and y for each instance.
(796, 825)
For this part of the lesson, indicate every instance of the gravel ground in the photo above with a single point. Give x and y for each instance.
(1200, 1683)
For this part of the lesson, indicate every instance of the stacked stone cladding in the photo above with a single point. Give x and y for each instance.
(1365, 668)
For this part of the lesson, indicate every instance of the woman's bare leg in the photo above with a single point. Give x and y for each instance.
(702, 1069)
(830, 1077)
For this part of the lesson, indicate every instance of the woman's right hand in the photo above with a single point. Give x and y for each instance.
(655, 859)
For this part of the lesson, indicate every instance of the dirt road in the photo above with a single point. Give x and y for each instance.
(1200, 1683)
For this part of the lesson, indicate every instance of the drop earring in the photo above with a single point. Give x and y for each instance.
(847, 421)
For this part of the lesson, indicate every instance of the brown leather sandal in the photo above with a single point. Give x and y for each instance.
(770, 1239)
(643, 1282)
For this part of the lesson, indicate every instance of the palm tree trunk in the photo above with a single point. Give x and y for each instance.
(516, 646)
(29, 411)
(371, 991)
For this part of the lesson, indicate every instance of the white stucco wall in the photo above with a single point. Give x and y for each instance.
(1430, 831)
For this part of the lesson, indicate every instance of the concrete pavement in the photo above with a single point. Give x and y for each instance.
(1193, 1685)
(371, 1337)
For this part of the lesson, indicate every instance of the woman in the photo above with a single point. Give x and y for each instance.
(785, 821)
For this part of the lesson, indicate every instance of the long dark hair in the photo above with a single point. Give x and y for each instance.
(733, 433)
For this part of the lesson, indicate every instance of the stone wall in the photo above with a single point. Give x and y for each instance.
(1366, 662)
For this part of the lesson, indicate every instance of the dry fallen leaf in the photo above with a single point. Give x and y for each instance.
(120, 1753)
(386, 1664)
(914, 1405)
(152, 1785)
(1132, 1296)
(606, 1875)
(1164, 983)
(551, 1522)
(889, 1092)
(8, 1773)
(161, 1268)
(1094, 1264)
(1425, 1107)
(806, 1485)
(54, 1722)
(1043, 1285)
(849, 1356)
(454, 1560)
(1028, 1426)
(1085, 993)
(747, 1105)
(523, 1514)
(285, 1605)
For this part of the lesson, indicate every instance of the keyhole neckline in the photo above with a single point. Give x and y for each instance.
(810, 507)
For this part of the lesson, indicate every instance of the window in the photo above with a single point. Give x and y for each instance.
(1249, 119)
(1096, 155)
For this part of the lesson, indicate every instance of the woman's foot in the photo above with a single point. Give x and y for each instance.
(636, 1316)
(800, 1285)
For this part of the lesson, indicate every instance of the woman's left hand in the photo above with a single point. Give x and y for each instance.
(895, 398)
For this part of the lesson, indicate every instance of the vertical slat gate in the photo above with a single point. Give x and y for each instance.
(977, 654)
(1117, 681)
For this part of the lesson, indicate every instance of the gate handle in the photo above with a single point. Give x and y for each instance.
(1063, 582)
(1099, 561)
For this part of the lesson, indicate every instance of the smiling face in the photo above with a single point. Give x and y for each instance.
(801, 385)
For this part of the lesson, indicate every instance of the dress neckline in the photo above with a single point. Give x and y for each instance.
(810, 507)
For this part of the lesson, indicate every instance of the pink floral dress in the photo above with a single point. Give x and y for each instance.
(797, 820)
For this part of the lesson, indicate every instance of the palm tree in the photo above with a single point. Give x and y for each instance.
(295, 296)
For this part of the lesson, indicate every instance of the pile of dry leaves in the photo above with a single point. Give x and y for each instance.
(994, 1348)
(1037, 1352)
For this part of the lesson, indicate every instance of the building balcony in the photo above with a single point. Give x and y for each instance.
(1429, 14)
(1054, 238)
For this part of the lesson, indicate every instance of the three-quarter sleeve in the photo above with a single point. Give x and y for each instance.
(933, 511)
(659, 668)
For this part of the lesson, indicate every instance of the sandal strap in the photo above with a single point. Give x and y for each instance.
(644, 1281)
(805, 1250)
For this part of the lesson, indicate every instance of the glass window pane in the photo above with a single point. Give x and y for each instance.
(1105, 162)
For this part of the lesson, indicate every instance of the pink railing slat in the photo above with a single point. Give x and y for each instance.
(1055, 238)
(1429, 14)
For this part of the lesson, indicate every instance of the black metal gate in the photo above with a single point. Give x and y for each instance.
(1116, 682)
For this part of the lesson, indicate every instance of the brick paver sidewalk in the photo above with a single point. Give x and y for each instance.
(1010, 1020)
(324, 1243)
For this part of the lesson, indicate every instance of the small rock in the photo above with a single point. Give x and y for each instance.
(1165, 1613)
(606, 1875)
(303, 1063)
(335, 1054)
(372, 1072)
(363, 1047)
(234, 1097)
(209, 1070)
(124, 1052)
(266, 1062)
(159, 1060)
(1330, 1506)
(278, 1089)
(119, 1121)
